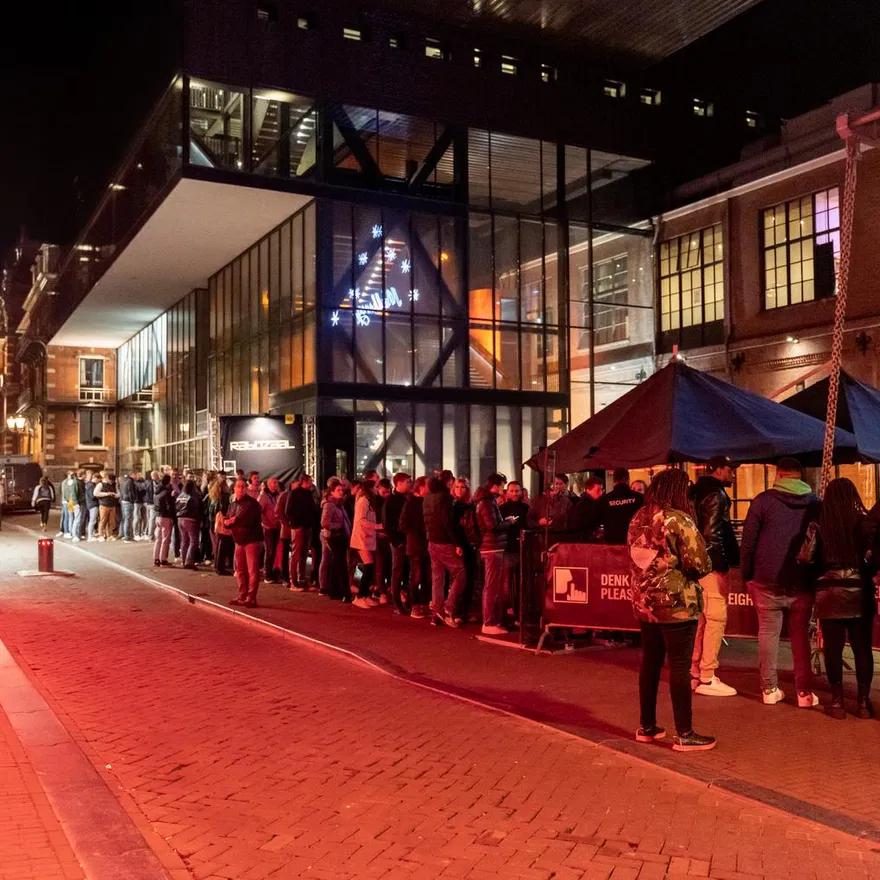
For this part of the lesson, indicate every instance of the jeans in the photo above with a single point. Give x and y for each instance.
(92, 528)
(419, 578)
(301, 540)
(76, 521)
(710, 626)
(270, 544)
(677, 641)
(224, 552)
(834, 633)
(247, 569)
(770, 607)
(495, 587)
(398, 575)
(444, 560)
(151, 522)
(64, 526)
(189, 539)
(141, 528)
(125, 529)
(164, 528)
(383, 563)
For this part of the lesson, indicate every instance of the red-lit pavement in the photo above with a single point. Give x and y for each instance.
(253, 755)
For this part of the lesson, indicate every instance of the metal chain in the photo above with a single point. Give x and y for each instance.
(846, 225)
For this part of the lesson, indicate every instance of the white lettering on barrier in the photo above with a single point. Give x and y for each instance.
(614, 580)
(739, 599)
(616, 593)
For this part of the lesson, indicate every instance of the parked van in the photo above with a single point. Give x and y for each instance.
(22, 476)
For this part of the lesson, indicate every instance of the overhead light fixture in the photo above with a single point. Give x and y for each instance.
(792, 339)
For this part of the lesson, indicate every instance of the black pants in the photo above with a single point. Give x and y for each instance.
(658, 640)
(834, 633)
(419, 579)
(270, 550)
(43, 506)
(224, 554)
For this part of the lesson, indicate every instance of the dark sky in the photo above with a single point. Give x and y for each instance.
(78, 79)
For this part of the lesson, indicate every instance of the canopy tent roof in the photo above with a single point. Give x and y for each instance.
(681, 414)
(858, 410)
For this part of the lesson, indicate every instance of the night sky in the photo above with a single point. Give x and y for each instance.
(77, 83)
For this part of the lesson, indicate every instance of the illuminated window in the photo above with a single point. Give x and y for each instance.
(753, 119)
(613, 88)
(509, 65)
(692, 279)
(266, 12)
(610, 293)
(352, 33)
(478, 58)
(651, 97)
(435, 49)
(703, 108)
(395, 43)
(548, 73)
(304, 23)
(801, 243)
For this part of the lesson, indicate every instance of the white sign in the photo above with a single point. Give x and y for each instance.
(258, 445)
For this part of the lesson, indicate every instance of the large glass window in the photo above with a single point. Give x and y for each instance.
(91, 372)
(91, 427)
(216, 125)
(692, 279)
(801, 241)
(283, 133)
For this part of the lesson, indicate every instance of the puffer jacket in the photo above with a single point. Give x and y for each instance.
(365, 526)
(712, 505)
(668, 557)
(492, 526)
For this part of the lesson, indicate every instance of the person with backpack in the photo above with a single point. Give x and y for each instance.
(43, 499)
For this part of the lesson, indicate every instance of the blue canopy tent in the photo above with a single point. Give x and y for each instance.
(858, 410)
(681, 414)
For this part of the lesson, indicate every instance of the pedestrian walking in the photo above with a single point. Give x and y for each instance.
(668, 558)
(43, 499)
(773, 533)
(712, 509)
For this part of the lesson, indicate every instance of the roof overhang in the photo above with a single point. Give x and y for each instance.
(196, 230)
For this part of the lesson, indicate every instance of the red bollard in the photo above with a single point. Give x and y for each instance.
(45, 554)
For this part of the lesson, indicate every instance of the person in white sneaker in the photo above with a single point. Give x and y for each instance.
(773, 533)
(712, 508)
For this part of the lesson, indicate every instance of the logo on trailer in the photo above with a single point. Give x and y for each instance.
(570, 584)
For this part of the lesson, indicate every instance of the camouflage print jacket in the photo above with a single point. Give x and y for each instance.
(668, 556)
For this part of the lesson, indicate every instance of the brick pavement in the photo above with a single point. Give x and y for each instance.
(255, 756)
(32, 844)
(799, 761)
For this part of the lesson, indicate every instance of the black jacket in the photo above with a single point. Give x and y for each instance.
(391, 510)
(301, 508)
(247, 528)
(128, 490)
(412, 525)
(519, 509)
(712, 507)
(492, 526)
(616, 509)
(188, 506)
(151, 487)
(583, 520)
(437, 508)
(164, 503)
(91, 501)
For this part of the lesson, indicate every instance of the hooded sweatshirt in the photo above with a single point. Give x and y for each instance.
(773, 533)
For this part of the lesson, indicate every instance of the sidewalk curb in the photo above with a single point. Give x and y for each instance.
(847, 828)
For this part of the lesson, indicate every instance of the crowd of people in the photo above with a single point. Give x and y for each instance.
(433, 549)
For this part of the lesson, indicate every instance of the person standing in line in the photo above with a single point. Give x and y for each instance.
(391, 511)
(301, 516)
(268, 501)
(550, 510)
(128, 500)
(467, 534)
(514, 505)
(617, 508)
(639, 486)
(363, 542)
(584, 514)
(139, 519)
(253, 485)
(43, 499)
(412, 527)
(166, 513)
(494, 530)
(668, 557)
(150, 484)
(108, 497)
(284, 531)
(92, 507)
(773, 532)
(712, 509)
(840, 548)
(445, 552)
(78, 497)
(244, 521)
(2, 498)
(335, 534)
(188, 507)
(382, 582)
(66, 507)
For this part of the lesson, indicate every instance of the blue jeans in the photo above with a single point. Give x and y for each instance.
(92, 528)
(76, 520)
(125, 529)
(189, 539)
(770, 607)
(64, 526)
(444, 560)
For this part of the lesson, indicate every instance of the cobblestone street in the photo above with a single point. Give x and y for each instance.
(252, 755)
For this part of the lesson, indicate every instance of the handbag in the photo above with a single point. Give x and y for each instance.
(809, 553)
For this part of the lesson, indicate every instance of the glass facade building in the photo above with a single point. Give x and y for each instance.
(447, 297)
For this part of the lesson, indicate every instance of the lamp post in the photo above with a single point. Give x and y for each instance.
(16, 426)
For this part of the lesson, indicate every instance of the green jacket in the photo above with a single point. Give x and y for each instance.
(669, 557)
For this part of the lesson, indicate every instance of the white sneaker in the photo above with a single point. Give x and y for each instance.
(361, 602)
(75, 540)
(101, 539)
(773, 696)
(715, 687)
(491, 629)
(807, 700)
